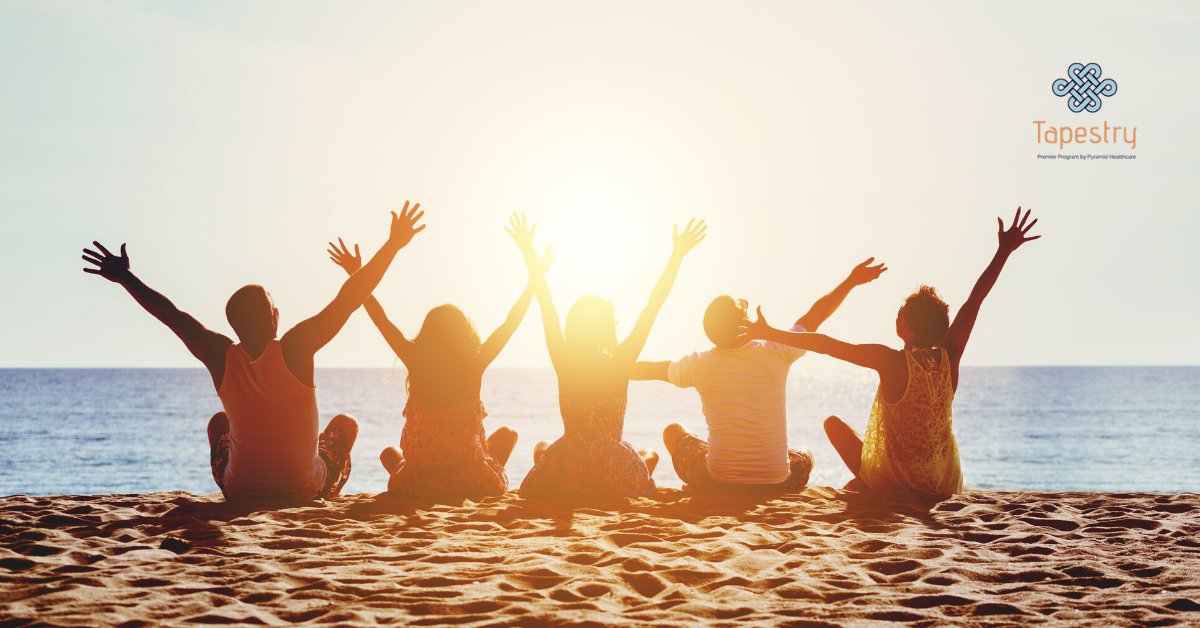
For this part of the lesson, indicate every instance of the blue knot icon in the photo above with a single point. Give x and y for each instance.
(1084, 87)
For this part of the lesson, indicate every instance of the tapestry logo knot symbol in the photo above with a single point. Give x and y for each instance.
(1084, 87)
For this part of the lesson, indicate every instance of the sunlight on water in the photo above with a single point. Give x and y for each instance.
(1043, 428)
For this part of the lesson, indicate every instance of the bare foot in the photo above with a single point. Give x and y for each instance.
(538, 450)
(391, 459)
(650, 457)
(501, 443)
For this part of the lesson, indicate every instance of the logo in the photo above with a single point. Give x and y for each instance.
(1084, 87)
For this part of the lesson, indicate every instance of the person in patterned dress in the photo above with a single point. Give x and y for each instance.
(444, 452)
(591, 460)
(909, 441)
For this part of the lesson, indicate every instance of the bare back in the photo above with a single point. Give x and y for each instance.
(893, 376)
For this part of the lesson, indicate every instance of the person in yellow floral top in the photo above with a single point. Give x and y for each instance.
(910, 440)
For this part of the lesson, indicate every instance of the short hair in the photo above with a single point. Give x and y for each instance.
(927, 315)
(249, 311)
(721, 321)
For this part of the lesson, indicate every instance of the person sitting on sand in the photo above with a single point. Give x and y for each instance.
(743, 392)
(591, 460)
(444, 451)
(266, 445)
(910, 441)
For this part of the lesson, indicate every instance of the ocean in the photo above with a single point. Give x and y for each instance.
(89, 431)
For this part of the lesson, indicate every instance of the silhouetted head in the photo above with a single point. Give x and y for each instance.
(591, 326)
(443, 349)
(923, 319)
(721, 321)
(252, 315)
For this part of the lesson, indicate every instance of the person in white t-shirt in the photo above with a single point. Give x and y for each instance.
(742, 386)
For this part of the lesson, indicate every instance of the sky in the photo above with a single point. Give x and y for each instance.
(227, 142)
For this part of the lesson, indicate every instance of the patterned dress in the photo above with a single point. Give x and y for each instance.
(590, 460)
(910, 444)
(445, 455)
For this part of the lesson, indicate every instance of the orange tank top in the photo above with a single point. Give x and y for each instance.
(910, 444)
(273, 428)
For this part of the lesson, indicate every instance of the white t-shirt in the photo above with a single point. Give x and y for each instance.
(743, 393)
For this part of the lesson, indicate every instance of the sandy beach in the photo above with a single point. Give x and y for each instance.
(821, 558)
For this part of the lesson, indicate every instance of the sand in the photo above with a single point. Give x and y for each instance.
(821, 558)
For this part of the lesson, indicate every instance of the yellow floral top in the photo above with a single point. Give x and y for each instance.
(910, 444)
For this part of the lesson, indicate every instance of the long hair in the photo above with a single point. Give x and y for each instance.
(442, 350)
(591, 327)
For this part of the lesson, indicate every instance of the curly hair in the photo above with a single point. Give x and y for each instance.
(927, 315)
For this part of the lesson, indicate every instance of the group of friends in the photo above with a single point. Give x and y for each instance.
(267, 443)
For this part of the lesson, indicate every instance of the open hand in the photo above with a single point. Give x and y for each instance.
(753, 330)
(403, 225)
(522, 233)
(112, 267)
(342, 257)
(865, 273)
(690, 237)
(1014, 236)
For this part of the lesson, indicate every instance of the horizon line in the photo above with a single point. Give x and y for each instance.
(794, 366)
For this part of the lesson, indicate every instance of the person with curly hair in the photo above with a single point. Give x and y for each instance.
(909, 441)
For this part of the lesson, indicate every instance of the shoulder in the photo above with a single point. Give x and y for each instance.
(797, 328)
(234, 351)
(716, 356)
(691, 358)
(945, 357)
(787, 352)
(682, 372)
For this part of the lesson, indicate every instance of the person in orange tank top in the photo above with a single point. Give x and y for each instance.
(265, 445)
(444, 451)
(910, 441)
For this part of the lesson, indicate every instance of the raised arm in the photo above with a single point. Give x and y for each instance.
(828, 304)
(207, 346)
(956, 338)
(629, 349)
(879, 358)
(301, 342)
(391, 334)
(522, 234)
(495, 343)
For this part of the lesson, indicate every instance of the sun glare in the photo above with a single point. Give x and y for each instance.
(601, 236)
(603, 173)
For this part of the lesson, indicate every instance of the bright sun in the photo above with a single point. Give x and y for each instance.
(602, 238)
(604, 178)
